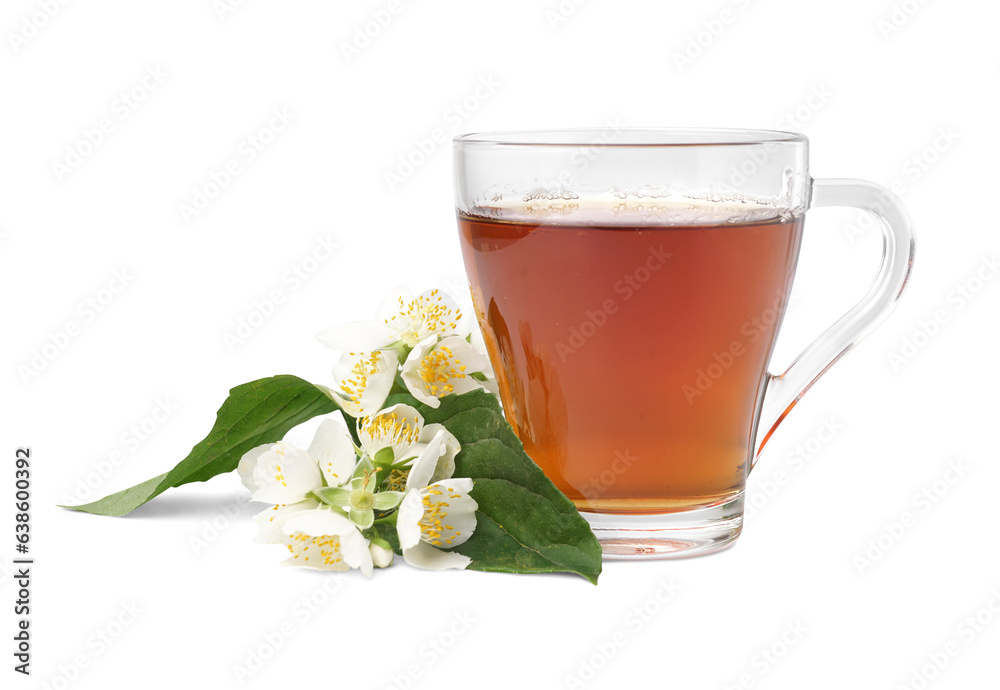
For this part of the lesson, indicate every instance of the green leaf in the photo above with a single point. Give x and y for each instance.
(385, 532)
(255, 413)
(524, 523)
(401, 399)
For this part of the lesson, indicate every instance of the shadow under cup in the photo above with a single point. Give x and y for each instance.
(630, 285)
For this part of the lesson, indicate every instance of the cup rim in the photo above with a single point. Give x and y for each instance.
(629, 137)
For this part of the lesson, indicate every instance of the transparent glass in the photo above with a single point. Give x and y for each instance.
(630, 285)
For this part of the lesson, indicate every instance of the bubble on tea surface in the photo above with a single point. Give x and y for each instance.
(631, 207)
(550, 195)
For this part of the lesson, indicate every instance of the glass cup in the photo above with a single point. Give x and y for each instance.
(630, 285)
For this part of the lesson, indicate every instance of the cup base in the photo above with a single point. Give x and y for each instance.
(669, 535)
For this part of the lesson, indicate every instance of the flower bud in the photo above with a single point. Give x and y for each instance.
(381, 556)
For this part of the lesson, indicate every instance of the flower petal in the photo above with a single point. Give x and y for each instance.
(433, 370)
(415, 318)
(284, 474)
(315, 539)
(449, 511)
(269, 522)
(412, 375)
(358, 336)
(425, 556)
(356, 551)
(397, 299)
(325, 539)
(318, 522)
(465, 354)
(446, 463)
(364, 380)
(464, 385)
(302, 435)
(490, 385)
(461, 319)
(396, 427)
(333, 451)
(412, 453)
(478, 342)
(411, 510)
(320, 553)
(479, 345)
(425, 466)
(247, 464)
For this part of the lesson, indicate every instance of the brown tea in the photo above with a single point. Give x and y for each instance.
(631, 343)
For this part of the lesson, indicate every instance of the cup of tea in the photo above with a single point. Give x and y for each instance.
(630, 286)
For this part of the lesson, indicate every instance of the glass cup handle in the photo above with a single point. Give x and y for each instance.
(783, 391)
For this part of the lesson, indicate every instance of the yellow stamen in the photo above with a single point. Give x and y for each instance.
(420, 317)
(355, 386)
(432, 525)
(438, 369)
(390, 430)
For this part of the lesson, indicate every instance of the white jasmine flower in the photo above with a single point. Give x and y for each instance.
(364, 380)
(435, 515)
(324, 539)
(284, 474)
(333, 451)
(401, 319)
(435, 369)
(323, 535)
(279, 473)
(401, 429)
(397, 428)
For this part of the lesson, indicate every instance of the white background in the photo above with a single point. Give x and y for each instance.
(886, 93)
